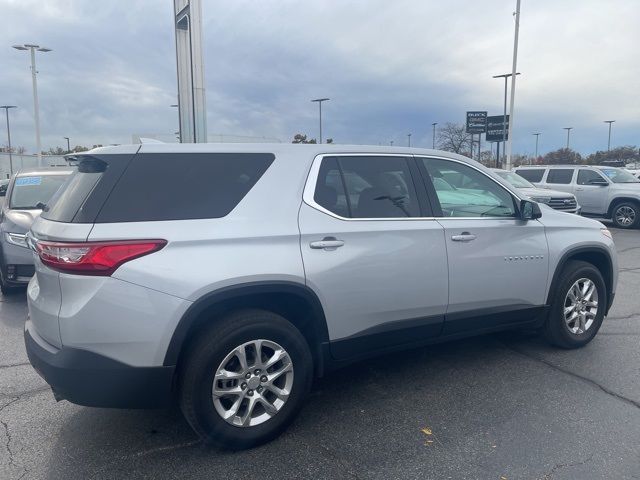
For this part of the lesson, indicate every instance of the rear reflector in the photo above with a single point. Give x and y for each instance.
(94, 258)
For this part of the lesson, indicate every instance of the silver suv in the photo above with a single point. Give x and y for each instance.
(604, 192)
(25, 195)
(264, 266)
(563, 201)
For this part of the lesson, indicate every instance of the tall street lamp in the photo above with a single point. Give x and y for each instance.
(36, 108)
(434, 135)
(568, 129)
(68, 146)
(537, 135)
(320, 100)
(504, 117)
(6, 110)
(408, 139)
(609, 142)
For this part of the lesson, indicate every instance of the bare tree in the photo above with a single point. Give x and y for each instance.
(562, 156)
(301, 138)
(454, 138)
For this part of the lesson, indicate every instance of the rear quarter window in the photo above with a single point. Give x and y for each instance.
(179, 186)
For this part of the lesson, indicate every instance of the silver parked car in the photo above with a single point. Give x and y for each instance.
(26, 195)
(603, 192)
(563, 201)
(268, 265)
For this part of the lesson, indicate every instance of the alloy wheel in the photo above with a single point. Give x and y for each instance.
(581, 306)
(625, 216)
(252, 383)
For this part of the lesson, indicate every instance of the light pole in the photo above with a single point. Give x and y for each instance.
(391, 143)
(408, 139)
(568, 129)
(537, 135)
(504, 117)
(68, 146)
(609, 142)
(6, 109)
(514, 64)
(320, 100)
(434, 135)
(36, 108)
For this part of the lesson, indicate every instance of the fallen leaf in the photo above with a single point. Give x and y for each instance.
(426, 431)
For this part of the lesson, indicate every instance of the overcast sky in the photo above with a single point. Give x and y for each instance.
(389, 67)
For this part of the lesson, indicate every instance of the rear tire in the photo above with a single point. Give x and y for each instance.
(251, 418)
(578, 305)
(625, 215)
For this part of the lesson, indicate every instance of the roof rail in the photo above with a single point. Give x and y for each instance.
(144, 140)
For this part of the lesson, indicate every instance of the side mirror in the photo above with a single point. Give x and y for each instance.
(529, 210)
(600, 182)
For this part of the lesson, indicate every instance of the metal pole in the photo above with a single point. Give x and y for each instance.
(6, 109)
(320, 100)
(536, 135)
(609, 141)
(497, 154)
(568, 129)
(36, 105)
(408, 139)
(68, 146)
(434, 135)
(504, 119)
(513, 83)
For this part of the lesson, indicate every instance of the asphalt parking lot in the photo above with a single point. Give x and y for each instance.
(502, 406)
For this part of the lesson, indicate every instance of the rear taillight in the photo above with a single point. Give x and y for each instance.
(94, 258)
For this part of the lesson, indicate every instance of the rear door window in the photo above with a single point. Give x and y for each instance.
(367, 187)
(560, 176)
(531, 174)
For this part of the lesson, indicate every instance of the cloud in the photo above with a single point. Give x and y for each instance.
(390, 68)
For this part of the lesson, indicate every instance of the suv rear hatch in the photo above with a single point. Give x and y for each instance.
(68, 217)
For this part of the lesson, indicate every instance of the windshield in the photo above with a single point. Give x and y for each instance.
(35, 191)
(619, 175)
(515, 179)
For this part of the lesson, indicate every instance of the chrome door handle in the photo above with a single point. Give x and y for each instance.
(463, 237)
(327, 243)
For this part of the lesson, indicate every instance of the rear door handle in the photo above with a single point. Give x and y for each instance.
(579, 189)
(327, 243)
(463, 237)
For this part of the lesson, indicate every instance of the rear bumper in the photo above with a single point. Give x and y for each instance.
(93, 380)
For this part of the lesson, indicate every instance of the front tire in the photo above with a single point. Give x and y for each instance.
(245, 379)
(625, 215)
(578, 305)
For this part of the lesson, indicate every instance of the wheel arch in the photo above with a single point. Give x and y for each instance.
(618, 200)
(296, 302)
(597, 256)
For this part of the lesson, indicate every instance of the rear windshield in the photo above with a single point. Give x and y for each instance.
(155, 187)
(35, 191)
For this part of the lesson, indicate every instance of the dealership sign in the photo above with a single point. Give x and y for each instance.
(496, 128)
(476, 122)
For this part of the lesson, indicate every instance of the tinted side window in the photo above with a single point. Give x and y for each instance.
(560, 175)
(533, 175)
(586, 176)
(179, 186)
(376, 187)
(330, 192)
(463, 191)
